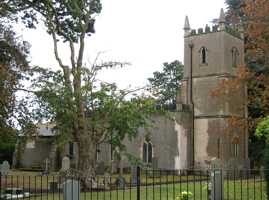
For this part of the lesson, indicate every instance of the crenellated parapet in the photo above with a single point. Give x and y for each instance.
(221, 26)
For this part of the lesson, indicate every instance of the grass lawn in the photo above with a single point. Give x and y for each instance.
(35, 181)
(233, 190)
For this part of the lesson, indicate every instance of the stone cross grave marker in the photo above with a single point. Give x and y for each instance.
(5, 167)
(71, 189)
(65, 164)
(217, 180)
(120, 182)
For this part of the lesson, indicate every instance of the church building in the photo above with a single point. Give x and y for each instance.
(198, 130)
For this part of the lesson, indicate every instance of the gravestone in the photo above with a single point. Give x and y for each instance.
(5, 167)
(100, 170)
(215, 28)
(107, 180)
(65, 164)
(134, 175)
(217, 180)
(120, 182)
(247, 164)
(155, 163)
(71, 189)
(207, 29)
(155, 172)
(47, 162)
(53, 187)
(200, 30)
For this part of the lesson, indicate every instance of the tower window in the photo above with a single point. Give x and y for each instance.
(203, 56)
(97, 154)
(218, 147)
(147, 152)
(71, 149)
(235, 146)
(235, 56)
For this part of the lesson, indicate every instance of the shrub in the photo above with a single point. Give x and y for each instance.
(184, 195)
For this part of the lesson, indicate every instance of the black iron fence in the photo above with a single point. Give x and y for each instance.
(139, 185)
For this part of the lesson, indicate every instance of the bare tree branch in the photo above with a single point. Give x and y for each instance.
(72, 58)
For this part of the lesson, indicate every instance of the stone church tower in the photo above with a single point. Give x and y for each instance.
(211, 56)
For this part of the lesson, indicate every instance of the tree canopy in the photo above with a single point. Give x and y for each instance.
(165, 84)
(253, 15)
(84, 109)
(13, 65)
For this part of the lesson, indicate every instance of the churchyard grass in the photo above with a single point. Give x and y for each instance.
(233, 190)
(169, 189)
(34, 180)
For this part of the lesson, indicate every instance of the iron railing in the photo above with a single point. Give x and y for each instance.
(145, 184)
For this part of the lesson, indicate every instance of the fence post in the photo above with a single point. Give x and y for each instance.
(0, 185)
(138, 183)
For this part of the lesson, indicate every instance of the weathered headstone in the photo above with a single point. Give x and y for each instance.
(120, 182)
(5, 167)
(107, 180)
(155, 163)
(215, 28)
(155, 172)
(100, 170)
(200, 30)
(247, 164)
(71, 189)
(217, 180)
(47, 162)
(134, 175)
(53, 187)
(65, 164)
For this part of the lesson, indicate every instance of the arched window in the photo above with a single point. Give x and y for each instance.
(218, 147)
(203, 55)
(71, 150)
(235, 147)
(235, 57)
(147, 152)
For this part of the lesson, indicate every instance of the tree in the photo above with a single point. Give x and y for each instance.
(13, 65)
(253, 15)
(262, 132)
(235, 12)
(109, 117)
(84, 110)
(165, 85)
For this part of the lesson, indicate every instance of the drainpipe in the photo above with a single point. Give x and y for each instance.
(191, 102)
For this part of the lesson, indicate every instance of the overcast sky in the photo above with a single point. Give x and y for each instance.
(145, 33)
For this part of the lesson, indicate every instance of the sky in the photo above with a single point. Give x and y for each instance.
(144, 33)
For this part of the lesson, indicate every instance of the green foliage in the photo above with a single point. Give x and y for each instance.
(165, 85)
(262, 130)
(266, 166)
(185, 195)
(13, 65)
(85, 110)
(68, 18)
(7, 143)
(110, 117)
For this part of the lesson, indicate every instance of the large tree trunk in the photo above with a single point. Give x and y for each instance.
(87, 160)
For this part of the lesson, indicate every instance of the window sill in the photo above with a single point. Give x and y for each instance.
(203, 64)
